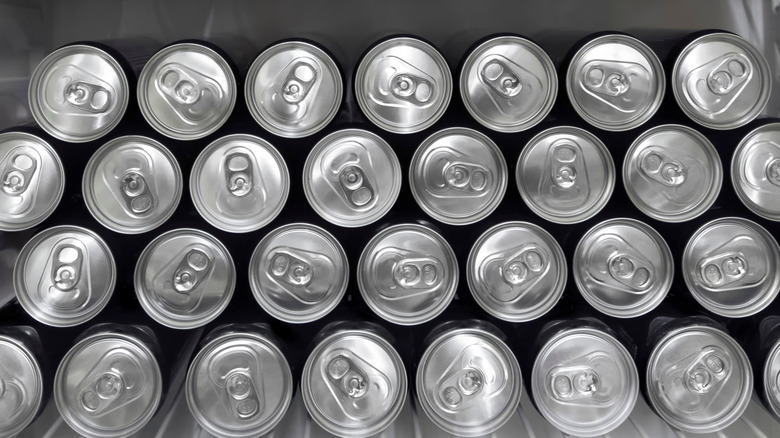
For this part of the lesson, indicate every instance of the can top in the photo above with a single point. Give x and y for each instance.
(516, 271)
(186, 91)
(239, 183)
(132, 184)
(730, 265)
(565, 175)
(721, 81)
(468, 382)
(239, 386)
(755, 171)
(21, 386)
(354, 383)
(294, 89)
(508, 84)
(772, 379)
(33, 181)
(699, 379)
(585, 382)
(108, 385)
(672, 173)
(64, 276)
(407, 274)
(78, 93)
(352, 178)
(403, 85)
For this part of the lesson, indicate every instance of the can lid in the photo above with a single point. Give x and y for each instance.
(721, 81)
(64, 276)
(623, 268)
(407, 274)
(21, 386)
(33, 181)
(772, 379)
(730, 265)
(239, 183)
(565, 175)
(186, 91)
(516, 271)
(672, 173)
(354, 383)
(132, 184)
(468, 382)
(78, 93)
(755, 171)
(699, 379)
(239, 386)
(294, 89)
(403, 85)
(458, 176)
(585, 382)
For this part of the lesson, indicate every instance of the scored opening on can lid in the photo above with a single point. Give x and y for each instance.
(772, 379)
(21, 386)
(755, 171)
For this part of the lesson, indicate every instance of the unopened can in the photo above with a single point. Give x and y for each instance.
(298, 273)
(508, 84)
(769, 371)
(132, 184)
(407, 274)
(352, 178)
(672, 173)
(239, 183)
(516, 271)
(403, 85)
(755, 171)
(458, 176)
(187, 91)
(64, 276)
(730, 266)
(294, 89)
(565, 175)
(468, 381)
(354, 382)
(623, 268)
(33, 181)
(721, 81)
(21, 379)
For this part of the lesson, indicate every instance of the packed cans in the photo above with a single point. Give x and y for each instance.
(21, 379)
(755, 171)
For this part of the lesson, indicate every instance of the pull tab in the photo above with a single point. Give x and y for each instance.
(348, 378)
(773, 172)
(707, 371)
(402, 274)
(695, 381)
(244, 190)
(242, 395)
(360, 389)
(67, 285)
(305, 275)
(567, 178)
(736, 264)
(617, 263)
(192, 269)
(414, 89)
(12, 395)
(351, 175)
(763, 177)
(291, 92)
(511, 274)
(238, 173)
(239, 382)
(18, 170)
(116, 380)
(716, 84)
(190, 94)
(355, 186)
(475, 376)
(400, 84)
(499, 77)
(466, 177)
(91, 98)
(303, 73)
(512, 89)
(417, 273)
(178, 285)
(581, 381)
(450, 174)
(136, 194)
(623, 86)
(66, 266)
(661, 168)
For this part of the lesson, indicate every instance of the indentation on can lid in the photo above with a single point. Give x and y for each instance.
(715, 85)
(623, 86)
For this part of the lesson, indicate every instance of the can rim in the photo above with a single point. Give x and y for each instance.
(772, 400)
(37, 394)
(746, 201)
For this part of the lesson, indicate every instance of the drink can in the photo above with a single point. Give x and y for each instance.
(239, 183)
(730, 266)
(407, 274)
(22, 385)
(299, 273)
(565, 175)
(64, 276)
(755, 171)
(403, 85)
(294, 89)
(672, 173)
(352, 178)
(769, 359)
(458, 176)
(132, 184)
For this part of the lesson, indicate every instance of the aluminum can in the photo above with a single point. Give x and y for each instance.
(298, 273)
(721, 81)
(516, 271)
(294, 89)
(21, 379)
(565, 175)
(672, 173)
(132, 184)
(403, 85)
(769, 359)
(730, 266)
(64, 276)
(755, 171)
(239, 183)
(407, 274)
(508, 84)
(352, 178)
(458, 176)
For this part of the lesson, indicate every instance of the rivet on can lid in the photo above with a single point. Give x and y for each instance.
(21, 386)
(755, 171)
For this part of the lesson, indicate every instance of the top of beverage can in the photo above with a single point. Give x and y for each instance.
(772, 379)
(755, 171)
(21, 386)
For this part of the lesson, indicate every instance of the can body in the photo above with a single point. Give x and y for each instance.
(22, 380)
(755, 171)
(766, 363)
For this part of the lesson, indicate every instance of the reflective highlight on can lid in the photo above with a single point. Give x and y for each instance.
(239, 183)
(672, 173)
(772, 379)
(132, 184)
(730, 265)
(755, 171)
(407, 274)
(64, 276)
(516, 271)
(21, 386)
(403, 85)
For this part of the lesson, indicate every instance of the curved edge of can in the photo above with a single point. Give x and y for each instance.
(735, 171)
(772, 399)
(38, 398)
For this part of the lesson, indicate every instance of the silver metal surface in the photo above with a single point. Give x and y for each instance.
(21, 386)
(771, 389)
(755, 171)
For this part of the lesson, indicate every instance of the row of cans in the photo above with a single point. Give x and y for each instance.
(293, 89)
